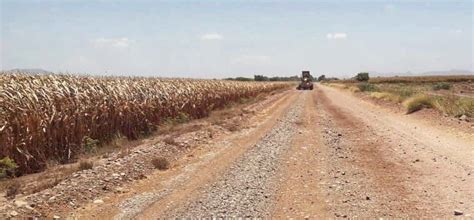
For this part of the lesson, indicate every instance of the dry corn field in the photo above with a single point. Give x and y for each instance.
(49, 117)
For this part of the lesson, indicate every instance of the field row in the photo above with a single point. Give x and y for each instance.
(57, 117)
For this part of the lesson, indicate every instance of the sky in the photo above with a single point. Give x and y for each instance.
(217, 39)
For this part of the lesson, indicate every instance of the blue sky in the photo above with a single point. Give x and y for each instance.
(215, 39)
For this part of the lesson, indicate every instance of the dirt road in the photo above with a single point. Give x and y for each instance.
(312, 154)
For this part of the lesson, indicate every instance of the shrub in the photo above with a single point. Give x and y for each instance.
(260, 78)
(386, 96)
(85, 165)
(442, 85)
(455, 106)
(362, 77)
(353, 89)
(232, 127)
(417, 103)
(170, 141)
(7, 167)
(13, 189)
(160, 163)
(322, 78)
(405, 92)
(182, 118)
(89, 144)
(367, 87)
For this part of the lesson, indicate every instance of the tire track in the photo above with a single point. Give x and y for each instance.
(300, 194)
(384, 170)
(360, 181)
(247, 189)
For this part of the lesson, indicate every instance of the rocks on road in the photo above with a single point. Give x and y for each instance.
(247, 189)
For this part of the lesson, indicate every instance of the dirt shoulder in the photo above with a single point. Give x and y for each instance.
(407, 167)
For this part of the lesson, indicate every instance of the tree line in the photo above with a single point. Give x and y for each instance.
(362, 77)
(266, 78)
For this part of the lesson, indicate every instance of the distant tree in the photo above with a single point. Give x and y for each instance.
(294, 78)
(322, 78)
(240, 79)
(243, 79)
(362, 77)
(275, 78)
(260, 78)
(265, 78)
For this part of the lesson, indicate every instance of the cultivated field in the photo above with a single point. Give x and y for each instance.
(56, 117)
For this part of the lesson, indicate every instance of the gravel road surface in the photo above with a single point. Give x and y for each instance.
(248, 188)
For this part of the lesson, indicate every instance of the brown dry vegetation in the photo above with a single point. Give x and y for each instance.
(160, 163)
(451, 95)
(415, 79)
(85, 165)
(57, 117)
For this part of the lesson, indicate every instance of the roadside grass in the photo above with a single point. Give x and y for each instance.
(455, 106)
(12, 189)
(417, 103)
(367, 87)
(86, 165)
(338, 85)
(353, 89)
(441, 85)
(350, 87)
(160, 163)
(415, 79)
(386, 96)
(416, 96)
(170, 141)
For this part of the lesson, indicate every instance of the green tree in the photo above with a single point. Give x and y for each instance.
(260, 78)
(362, 77)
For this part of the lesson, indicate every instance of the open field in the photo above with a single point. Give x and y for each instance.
(416, 79)
(55, 118)
(292, 154)
(450, 95)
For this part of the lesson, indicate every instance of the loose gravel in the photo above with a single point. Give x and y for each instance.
(247, 189)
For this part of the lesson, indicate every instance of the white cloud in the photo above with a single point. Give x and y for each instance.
(252, 60)
(458, 31)
(211, 36)
(113, 42)
(336, 36)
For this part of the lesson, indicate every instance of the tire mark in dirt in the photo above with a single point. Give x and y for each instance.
(300, 194)
(438, 163)
(364, 183)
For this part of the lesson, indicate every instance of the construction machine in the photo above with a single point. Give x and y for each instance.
(306, 81)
